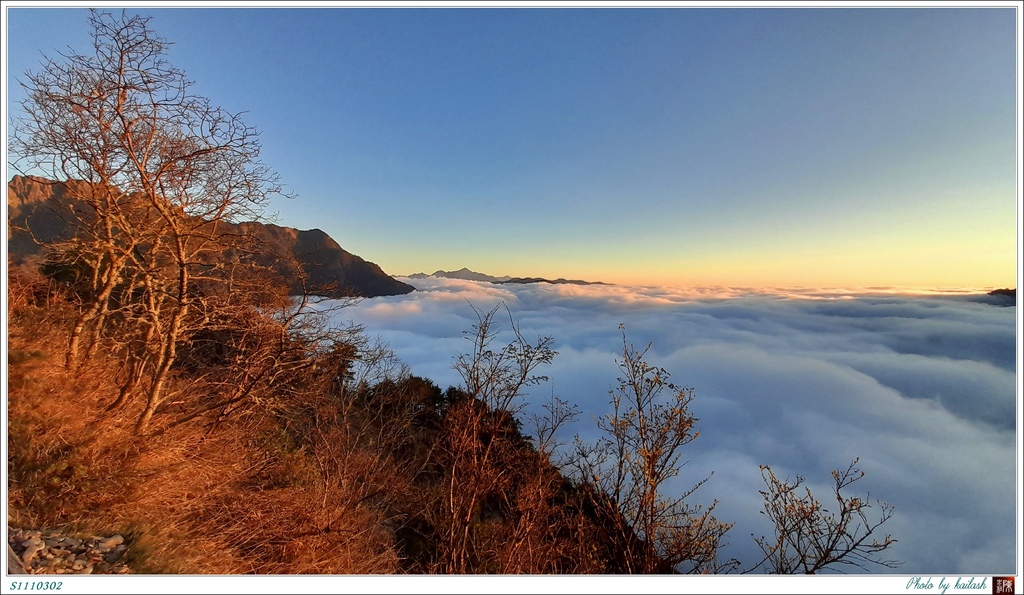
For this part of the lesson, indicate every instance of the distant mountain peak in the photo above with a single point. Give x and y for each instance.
(558, 281)
(464, 273)
(468, 275)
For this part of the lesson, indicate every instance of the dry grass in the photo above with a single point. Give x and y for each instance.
(237, 500)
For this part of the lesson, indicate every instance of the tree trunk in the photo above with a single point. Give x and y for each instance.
(168, 352)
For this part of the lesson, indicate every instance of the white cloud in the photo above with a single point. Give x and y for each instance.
(921, 388)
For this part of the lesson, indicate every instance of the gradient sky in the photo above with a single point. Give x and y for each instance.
(722, 146)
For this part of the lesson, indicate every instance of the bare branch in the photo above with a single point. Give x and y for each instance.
(809, 539)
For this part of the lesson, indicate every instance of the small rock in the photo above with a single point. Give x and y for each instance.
(110, 542)
(50, 552)
(31, 541)
(30, 552)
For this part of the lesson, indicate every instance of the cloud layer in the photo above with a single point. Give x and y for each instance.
(921, 387)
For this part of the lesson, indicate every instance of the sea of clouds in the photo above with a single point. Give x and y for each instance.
(922, 388)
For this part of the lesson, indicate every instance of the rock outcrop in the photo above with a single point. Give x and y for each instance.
(52, 552)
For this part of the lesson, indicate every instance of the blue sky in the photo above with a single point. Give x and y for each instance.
(723, 146)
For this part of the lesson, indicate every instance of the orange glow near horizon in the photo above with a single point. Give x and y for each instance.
(916, 271)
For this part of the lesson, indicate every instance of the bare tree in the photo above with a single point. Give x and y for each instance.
(629, 469)
(165, 173)
(809, 539)
(474, 431)
(538, 540)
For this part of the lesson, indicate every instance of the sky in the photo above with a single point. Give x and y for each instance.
(810, 147)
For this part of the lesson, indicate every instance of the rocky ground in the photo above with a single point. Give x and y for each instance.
(50, 552)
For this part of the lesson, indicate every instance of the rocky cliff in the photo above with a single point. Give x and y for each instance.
(41, 211)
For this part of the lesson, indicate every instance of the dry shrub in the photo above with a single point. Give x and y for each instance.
(63, 464)
(36, 312)
(297, 530)
(259, 494)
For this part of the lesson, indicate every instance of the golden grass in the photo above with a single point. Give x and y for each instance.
(187, 500)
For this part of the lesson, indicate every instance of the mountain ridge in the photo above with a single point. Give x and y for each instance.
(463, 273)
(468, 275)
(34, 219)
